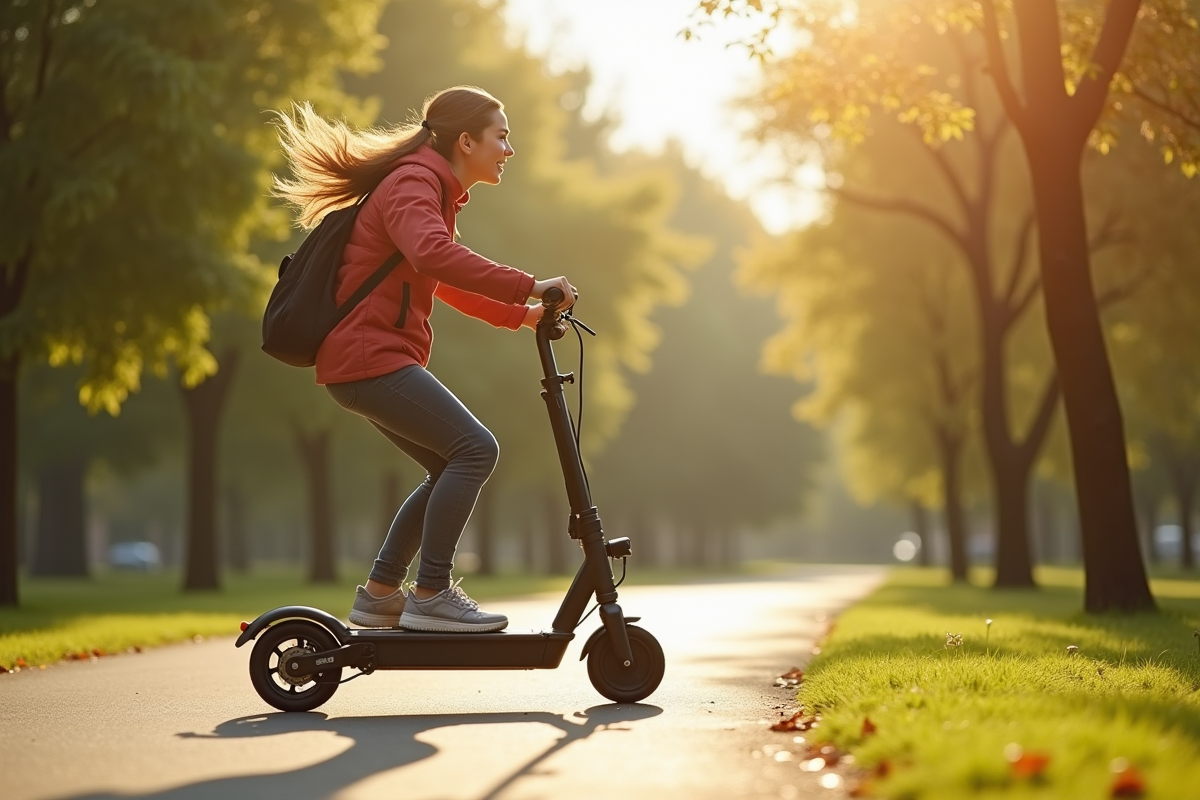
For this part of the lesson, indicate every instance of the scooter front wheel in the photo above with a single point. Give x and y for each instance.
(620, 683)
(270, 676)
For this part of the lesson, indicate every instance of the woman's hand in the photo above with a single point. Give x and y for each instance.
(533, 314)
(560, 283)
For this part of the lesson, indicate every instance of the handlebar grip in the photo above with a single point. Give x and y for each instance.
(553, 296)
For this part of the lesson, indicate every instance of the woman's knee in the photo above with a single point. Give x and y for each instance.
(484, 452)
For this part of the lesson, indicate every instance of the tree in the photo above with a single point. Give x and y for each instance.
(131, 143)
(708, 444)
(879, 325)
(1069, 54)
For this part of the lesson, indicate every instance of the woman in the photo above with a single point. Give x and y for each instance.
(373, 363)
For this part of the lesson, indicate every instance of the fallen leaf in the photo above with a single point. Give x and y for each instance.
(97, 653)
(860, 788)
(21, 662)
(796, 722)
(793, 674)
(1030, 765)
(883, 768)
(868, 727)
(1128, 783)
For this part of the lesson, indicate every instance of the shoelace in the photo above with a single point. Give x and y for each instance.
(457, 596)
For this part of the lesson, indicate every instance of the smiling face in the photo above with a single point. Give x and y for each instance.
(482, 160)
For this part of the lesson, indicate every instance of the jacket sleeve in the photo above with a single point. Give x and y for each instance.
(501, 315)
(413, 216)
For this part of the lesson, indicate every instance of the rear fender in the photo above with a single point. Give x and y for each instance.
(326, 620)
(596, 634)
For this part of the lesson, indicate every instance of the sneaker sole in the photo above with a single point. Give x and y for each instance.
(434, 625)
(365, 620)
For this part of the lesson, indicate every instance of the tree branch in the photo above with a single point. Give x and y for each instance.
(1109, 234)
(998, 67)
(948, 173)
(1116, 294)
(1168, 108)
(1020, 256)
(1041, 421)
(904, 206)
(44, 59)
(1088, 100)
(11, 288)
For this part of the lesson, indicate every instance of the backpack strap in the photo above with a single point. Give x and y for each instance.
(370, 283)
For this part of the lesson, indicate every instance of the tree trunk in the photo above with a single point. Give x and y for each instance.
(1150, 520)
(956, 527)
(920, 522)
(485, 528)
(1114, 573)
(236, 545)
(1184, 470)
(322, 554)
(556, 531)
(60, 548)
(1014, 562)
(1054, 129)
(204, 403)
(9, 369)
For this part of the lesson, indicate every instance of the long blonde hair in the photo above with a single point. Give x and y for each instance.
(333, 165)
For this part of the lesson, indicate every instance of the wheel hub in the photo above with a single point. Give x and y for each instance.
(285, 674)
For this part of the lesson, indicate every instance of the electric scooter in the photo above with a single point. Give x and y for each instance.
(300, 653)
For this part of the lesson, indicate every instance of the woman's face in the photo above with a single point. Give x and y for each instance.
(483, 158)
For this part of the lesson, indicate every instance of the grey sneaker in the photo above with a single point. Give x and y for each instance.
(451, 611)
(369, 611)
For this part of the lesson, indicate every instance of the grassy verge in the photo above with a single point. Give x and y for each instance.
(948, 720)
(115, 612)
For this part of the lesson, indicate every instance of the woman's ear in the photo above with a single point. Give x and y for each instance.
(464, 142)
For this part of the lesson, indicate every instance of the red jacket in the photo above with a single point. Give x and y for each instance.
(390, 328)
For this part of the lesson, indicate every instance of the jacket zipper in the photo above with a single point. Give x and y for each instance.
(404, 301)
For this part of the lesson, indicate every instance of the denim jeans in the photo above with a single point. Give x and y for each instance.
(426, 421)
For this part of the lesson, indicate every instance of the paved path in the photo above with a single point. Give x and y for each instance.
(183, 722)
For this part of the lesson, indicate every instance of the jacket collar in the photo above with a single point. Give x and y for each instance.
(432, 160)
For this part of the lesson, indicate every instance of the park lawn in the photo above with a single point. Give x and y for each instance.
(115, 612)
(944, 716)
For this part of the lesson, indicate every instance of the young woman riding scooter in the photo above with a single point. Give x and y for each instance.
(416, 178)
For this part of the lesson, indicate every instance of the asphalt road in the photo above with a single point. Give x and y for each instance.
(184, 723)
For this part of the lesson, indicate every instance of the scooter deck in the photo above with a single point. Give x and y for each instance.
(517, 648)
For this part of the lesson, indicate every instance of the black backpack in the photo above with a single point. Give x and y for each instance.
(303, 309)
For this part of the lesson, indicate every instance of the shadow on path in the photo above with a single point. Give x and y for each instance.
(379, 744)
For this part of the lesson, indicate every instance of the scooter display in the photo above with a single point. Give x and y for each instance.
(300, 653)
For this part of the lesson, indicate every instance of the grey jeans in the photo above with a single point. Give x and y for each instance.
(427, 422)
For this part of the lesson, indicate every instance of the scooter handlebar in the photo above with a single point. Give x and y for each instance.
(553, 297)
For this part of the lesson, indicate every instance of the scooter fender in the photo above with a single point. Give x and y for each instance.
(596, 634)
(323, 618)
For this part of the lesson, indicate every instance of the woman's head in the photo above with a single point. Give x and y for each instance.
(334, 165)
(468, 127)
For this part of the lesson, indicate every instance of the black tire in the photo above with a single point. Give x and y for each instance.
(623, 684)
(264, 666)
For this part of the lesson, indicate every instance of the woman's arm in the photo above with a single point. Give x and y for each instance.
(493, 312)
(413, 217)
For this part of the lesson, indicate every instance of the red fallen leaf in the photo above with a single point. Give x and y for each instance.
(868, 727)
(883, 768)
(793, 674)
(1128, 783)
(1029, 765)
(21, 663)
(796, 722)
(97, 653)
(860, 788)
(82, 655)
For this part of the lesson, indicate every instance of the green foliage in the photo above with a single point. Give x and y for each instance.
(835, 67)
(135, 159)
(709, 443)
(1128, 691)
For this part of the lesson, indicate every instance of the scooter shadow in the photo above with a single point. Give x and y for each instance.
(379, 744)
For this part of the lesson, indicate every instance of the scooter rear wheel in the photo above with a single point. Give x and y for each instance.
(623, 684)
(272, 681)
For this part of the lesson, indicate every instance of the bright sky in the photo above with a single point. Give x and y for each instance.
(663, 88)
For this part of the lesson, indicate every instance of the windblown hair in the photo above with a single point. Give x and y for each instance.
(333, 165)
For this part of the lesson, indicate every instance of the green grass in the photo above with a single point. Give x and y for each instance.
(113, 612)
(945, 715)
